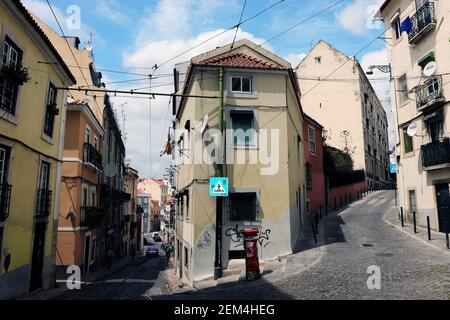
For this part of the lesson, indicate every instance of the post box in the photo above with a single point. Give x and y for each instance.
(251, 254)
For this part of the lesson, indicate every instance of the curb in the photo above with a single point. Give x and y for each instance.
(414, 236)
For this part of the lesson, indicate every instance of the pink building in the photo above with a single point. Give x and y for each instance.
(314, 170)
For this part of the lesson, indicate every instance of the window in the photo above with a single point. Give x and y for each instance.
(87, 137)
(312, 140)
(408, 141)
(243, 206)
(299, 147)
(318, 60)
(93, 197)
(403, 89)
(4, 158)
(96, 143)
(309, 180)
(84, 197)
(242, 84)
(11, 58)
(50, 111)
(44, 179)
(243, 124)
(396, 27)
(412, 201)
(436, 130)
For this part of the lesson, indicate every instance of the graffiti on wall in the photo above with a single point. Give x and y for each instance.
(237, 239)
(205, 241)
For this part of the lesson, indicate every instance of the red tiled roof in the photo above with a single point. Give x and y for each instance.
(239, 60)
(44, 37)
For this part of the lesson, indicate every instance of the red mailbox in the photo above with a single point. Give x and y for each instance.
(251, 254)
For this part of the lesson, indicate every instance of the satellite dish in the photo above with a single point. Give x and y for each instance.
(430, 68)
(110, 170)
(412, 129)
(204, 123)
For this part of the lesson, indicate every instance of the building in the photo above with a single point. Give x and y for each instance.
(419, 51)
(158, 190)
(112, 194)
(80, 213)
(31, 149)
(144, 203)
(131, 180)
(261, 109)
(358, 123)
(314, 171)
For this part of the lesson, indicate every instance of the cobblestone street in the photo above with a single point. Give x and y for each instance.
(357, 238)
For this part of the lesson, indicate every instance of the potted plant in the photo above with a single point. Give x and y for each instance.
(17, 75)
(54, 109)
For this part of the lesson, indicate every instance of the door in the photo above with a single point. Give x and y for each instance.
(443, 206)
(37, 261)
(87, 253)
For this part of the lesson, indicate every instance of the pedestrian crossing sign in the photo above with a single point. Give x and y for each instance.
(393, 168)
(218, 187)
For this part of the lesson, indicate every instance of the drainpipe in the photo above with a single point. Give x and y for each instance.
(218, 270)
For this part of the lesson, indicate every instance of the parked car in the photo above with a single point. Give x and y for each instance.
(157, 238)
(152, 251)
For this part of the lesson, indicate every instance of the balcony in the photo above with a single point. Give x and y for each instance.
(422, 22)
(44, 203)
(436, 155)
(5, 196)
(430, 93)
(92, 156)
(90, 217)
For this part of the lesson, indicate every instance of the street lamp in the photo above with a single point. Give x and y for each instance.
(385, 68)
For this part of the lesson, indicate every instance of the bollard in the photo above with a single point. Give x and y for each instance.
(314, 232)
(447, 240)
(429, 228)
(401, 216)
(414, 222)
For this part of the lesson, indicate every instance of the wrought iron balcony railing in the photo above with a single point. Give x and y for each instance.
(430, 92)
(44, 203)
(436, 153)
(91, 155)
(90, 217)
(423, 21)
(5, 196)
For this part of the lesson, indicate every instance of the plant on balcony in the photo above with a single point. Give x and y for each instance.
(17, 75)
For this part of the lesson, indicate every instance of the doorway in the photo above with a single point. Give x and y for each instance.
(37, 262)
(443, 206)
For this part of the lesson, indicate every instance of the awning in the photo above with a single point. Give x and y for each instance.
(426, 58)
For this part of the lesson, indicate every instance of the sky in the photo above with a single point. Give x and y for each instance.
(134, 35)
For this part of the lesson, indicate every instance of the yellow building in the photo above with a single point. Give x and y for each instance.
(263, 119)
(32, 116)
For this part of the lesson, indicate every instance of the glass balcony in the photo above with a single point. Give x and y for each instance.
(436, 153)
(430, 93)
(422, 22)
(5, 197)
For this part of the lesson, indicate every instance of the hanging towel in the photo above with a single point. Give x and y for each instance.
(406, 25)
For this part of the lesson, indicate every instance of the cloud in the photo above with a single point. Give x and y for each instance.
(358, 16)
(41, 9)
(295, 58)
(381, 85)
(110, 11)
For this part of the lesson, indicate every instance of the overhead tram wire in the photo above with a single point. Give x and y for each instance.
(70, 49)
(239, 24)
(217, 35)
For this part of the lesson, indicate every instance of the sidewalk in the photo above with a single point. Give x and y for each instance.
(104, 272)
(437, 239)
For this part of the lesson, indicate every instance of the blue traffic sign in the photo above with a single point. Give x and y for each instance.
(393, 168)
(218, 187)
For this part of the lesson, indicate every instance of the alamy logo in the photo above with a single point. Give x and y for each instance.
(374, 280)
(74, 19)
(74, 279)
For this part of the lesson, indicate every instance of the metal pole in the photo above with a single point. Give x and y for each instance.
(429, 228)
(414, 222)
(314, 232)
(401, 215)
(218, 270)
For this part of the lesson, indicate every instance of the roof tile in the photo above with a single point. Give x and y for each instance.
(239, 60)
